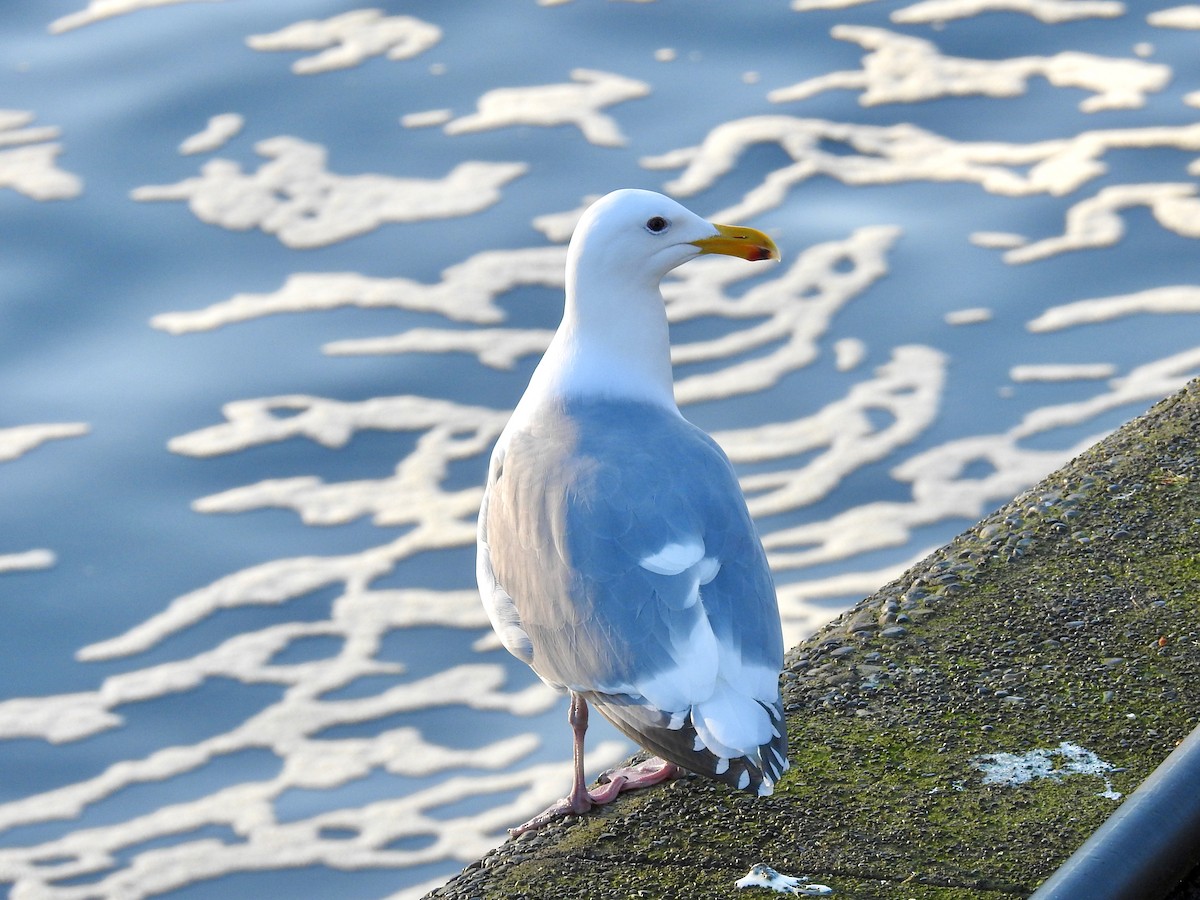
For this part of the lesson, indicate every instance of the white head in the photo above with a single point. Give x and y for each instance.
(614, 340)
(630, 239)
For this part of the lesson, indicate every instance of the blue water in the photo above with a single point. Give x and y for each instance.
(81, 277)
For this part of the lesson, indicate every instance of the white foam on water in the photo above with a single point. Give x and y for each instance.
(13, 129)
(497, 348)
(906, 69)
(559, 226)
(848, 353)
(908, 388)
(26, 561)
(350, 39)
(876, 155)
(996, 240)
(1062, 372)
(1048, 11)
(575, 103)
(28, 159)
(218, 132)
(1141, 385)
(939, 488)
(970, 316)
(332, 423)
(18, 440)
(562, 2)
(1186, 17)
(810, 5)
(354, 838)
(426, 119)
(15, 442)
(465, 293)
(795, 307)
(1172, 299)
(295, 198)
(792, 313)
(292, 729)
(1096, 221)
(99, 10)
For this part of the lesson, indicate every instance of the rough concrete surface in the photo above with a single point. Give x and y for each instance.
(1070, 616)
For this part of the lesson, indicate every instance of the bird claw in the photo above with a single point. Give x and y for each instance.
(562, 808)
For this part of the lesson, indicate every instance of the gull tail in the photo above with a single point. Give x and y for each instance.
(675, 739)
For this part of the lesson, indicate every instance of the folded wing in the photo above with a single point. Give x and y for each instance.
(618, 559)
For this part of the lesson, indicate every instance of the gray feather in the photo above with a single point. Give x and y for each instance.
(575, 502)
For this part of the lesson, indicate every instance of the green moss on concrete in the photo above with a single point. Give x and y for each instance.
(1069, 615)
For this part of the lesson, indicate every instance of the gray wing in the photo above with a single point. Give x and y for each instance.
(618, 559)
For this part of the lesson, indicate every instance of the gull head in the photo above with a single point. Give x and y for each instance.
(614, 340)
(639, 236)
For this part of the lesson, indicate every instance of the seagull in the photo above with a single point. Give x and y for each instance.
(616, 556)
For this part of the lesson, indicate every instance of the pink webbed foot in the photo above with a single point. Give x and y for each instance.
(562, 808)
(613, 783)
(629, 778)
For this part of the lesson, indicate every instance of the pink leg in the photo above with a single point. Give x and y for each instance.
(580, 800)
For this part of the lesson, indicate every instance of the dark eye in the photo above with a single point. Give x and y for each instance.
(657, 225)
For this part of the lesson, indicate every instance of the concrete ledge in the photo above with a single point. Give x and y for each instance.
(1069, 617)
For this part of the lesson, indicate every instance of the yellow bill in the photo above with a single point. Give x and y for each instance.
(734, 240)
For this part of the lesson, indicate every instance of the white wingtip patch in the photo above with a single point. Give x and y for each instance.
(674, 558)
(707, 569)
